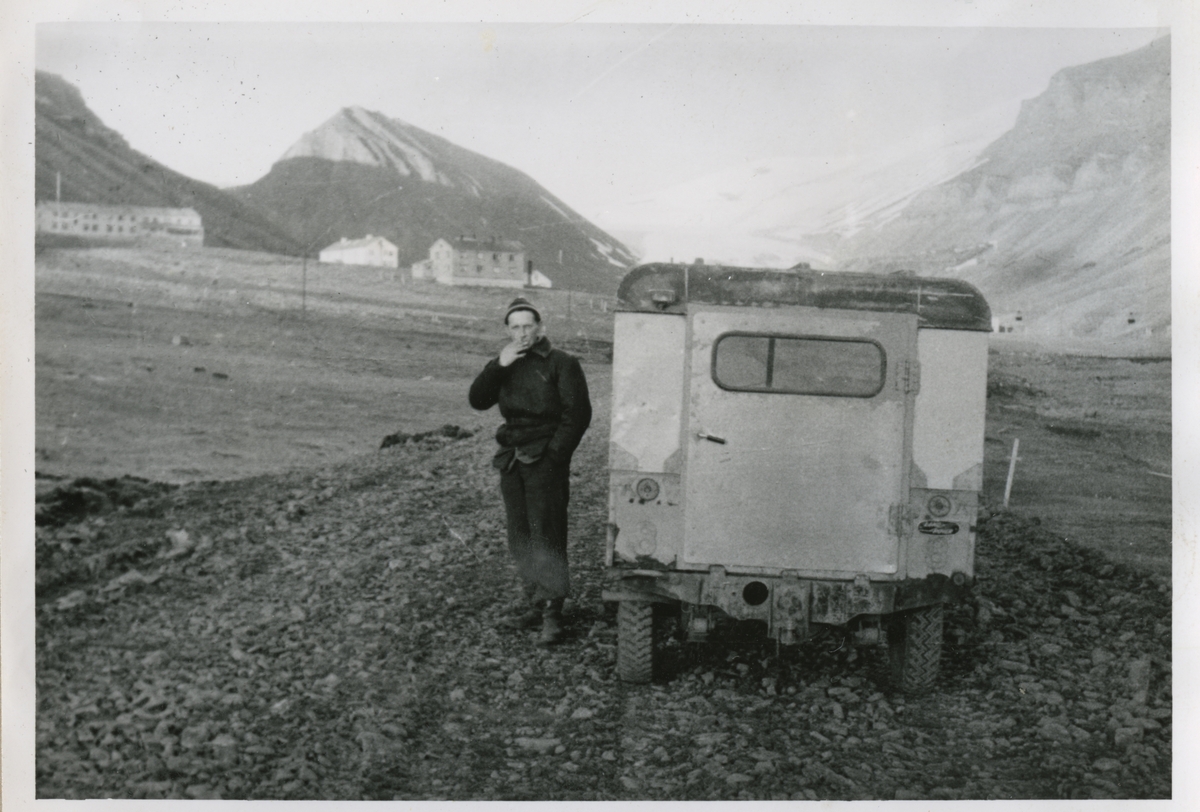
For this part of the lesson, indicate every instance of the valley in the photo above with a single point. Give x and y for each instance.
(307, 617)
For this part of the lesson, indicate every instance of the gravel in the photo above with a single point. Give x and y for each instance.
(328, 634)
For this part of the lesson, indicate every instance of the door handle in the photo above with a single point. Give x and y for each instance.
(712, 439)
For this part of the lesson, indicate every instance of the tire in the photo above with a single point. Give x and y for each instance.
(914, 651)
(635, 641)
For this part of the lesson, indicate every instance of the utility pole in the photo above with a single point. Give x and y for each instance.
(58, 187)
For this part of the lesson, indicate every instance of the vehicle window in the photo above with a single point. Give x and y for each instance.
(741, 362)
(798, 365)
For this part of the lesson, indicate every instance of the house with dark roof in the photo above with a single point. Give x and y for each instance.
(481, 262)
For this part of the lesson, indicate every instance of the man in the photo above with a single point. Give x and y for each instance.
(544, 400)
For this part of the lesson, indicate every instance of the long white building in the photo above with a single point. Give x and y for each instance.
(119, 223)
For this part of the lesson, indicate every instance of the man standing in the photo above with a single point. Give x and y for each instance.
(543, 398)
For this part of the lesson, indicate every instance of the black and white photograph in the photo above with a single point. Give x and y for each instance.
(598, 405)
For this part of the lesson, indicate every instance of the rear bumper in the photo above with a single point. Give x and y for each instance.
(785, 600)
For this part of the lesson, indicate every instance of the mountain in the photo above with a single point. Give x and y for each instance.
(363, 173)
(98, 166)
(762, 212)
(1065, 218)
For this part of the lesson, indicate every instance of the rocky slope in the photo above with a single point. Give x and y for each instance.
(98, 166)
(361, 172)
(326, 634)
(1065, 218)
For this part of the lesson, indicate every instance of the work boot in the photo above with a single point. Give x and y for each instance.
(525, 613)
(528, 618)
(552, 631)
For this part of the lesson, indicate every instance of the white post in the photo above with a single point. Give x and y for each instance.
(1012, 468)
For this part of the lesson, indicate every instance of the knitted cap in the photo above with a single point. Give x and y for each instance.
(521, 303)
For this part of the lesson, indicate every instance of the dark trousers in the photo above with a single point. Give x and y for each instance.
(535, 501)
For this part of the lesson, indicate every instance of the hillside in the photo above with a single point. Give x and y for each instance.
(362, 173)
(762, 213)
(1065, 218)
(98, 166)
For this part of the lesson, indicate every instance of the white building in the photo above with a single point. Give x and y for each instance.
(1008, 322)
(370, 250)
(119, 223)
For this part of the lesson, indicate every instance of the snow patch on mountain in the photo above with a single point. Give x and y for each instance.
(360, 136)
(607, 250)
(761, 212)
(565, 215)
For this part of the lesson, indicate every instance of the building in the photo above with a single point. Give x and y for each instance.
(119, 223)
(370, 250)
(488, 262)
(422, 270)
(1008, 322)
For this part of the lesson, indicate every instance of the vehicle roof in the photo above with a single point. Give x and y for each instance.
(948, 304)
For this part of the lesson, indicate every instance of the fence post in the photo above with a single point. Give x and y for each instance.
(1012, 468)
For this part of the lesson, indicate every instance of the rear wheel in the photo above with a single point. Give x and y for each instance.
(635, 641)
(914, 649)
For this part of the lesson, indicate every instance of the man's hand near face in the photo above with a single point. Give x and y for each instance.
(512, 352)
(524, 328)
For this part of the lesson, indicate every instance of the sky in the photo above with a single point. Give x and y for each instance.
(602, 115)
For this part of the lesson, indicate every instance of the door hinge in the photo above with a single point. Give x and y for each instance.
(900, 519)
(911, 376)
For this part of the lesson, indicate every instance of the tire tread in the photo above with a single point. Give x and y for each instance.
(635, 641)
(922, 656)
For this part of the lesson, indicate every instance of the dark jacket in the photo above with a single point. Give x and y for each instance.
(543, 398)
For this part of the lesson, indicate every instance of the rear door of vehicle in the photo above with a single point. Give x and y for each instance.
(797, 437)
